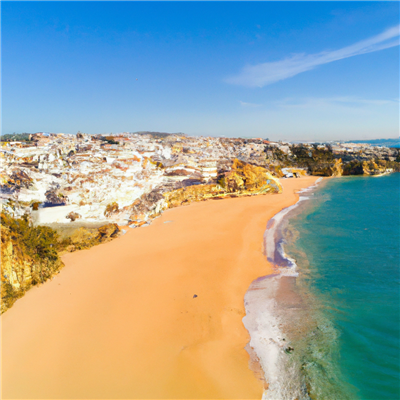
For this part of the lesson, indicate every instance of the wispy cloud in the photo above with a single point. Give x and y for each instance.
(266, 73)
(251, 105)
(350, 103)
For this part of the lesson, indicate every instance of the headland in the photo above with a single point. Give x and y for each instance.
(156, 313)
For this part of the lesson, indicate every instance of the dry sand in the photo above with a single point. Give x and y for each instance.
(122, 321)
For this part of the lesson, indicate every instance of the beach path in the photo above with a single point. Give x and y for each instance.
(156, 313)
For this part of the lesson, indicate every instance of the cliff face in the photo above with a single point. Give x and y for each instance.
(317, 161)
(337, 168)
(16, 270)
(31, 255)
(367, 167)
(244, 178)
(323, 160)
(353, 168)
(28, 257)
(373, 168)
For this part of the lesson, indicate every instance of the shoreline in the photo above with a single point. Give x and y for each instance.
(155, 313)
(272, 304)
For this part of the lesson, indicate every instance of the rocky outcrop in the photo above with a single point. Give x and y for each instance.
(333, 160)
(244, 178)
(316, 160)
(148, 206)
(107, 232)
(365, 167)
(337, 168)
(373, 168)
(332, 168)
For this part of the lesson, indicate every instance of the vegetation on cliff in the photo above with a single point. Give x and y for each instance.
(30, 255)
(372, 167)
(320, 160)
(315, 160)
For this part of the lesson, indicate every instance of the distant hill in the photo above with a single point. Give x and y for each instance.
(15, 137)
(158, 134)
(379, 142)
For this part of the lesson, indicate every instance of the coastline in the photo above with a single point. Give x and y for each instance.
(154, 314)
(273, 305)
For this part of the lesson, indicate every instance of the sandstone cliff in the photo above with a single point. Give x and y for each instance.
(337, 168)
(373, 168)
(366, 167)
(30, 255)
(330, 160)
(16, 270)
(244, 178)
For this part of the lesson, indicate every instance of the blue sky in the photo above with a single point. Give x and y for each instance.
(282, 70)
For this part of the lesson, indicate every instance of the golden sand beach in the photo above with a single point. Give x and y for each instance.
(156, 313)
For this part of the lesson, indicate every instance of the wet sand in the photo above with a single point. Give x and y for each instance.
(122, 319)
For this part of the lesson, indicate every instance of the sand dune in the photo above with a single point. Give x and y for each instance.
(157, 313)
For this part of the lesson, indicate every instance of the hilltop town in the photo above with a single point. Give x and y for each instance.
(125, 178)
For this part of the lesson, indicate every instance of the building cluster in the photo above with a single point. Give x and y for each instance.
(86, 173)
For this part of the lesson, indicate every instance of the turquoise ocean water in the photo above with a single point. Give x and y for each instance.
(346, 243)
